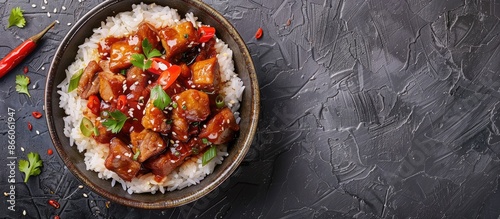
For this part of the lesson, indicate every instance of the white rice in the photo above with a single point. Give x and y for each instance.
(192, 171)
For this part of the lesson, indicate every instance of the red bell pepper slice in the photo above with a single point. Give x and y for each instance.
(94, 104)
(158, 65)
(169, 76)
(206, 33)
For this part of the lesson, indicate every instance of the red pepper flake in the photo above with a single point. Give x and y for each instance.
(36, 114)
(57, 217)
(50, 152)
(30, 126)
(259, 33)
(25, 69)
(54, 203)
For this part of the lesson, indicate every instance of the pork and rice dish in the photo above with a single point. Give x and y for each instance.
(152, 100)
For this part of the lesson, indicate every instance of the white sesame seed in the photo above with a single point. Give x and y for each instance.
(129, 170)
(24, 212)
(5, 194)
(85, 195)
(55, 10)
(45, 1)
(80, 186)
(37, 132)
(34, 86)
(57, 21)
(22, 149)
(43, 67)
(118, 156)
(63, 8)
(43, 7)
(33, 6)
(69, 24)
(48, 14)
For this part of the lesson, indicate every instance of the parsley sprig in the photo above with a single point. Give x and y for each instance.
(22, 84)
(31, 167)
(144, 61)
(115, 122)
(16, 18)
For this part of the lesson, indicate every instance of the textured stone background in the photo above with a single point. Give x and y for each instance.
(370, 109)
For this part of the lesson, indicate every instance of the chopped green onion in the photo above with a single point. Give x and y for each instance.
(75, 79)
(209, 155)
(219, 101)
(204, 140)
(177, 153)
(96, 131)
(123, 72)
(136, 155)
(195, 151)
(86, 127)
(174, 105)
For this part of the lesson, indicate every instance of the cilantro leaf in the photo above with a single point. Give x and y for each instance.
(31, 167)
(116, 122)
(148, 49)
(160, 97)
(138, 60)
(22, 84)
(16, 18)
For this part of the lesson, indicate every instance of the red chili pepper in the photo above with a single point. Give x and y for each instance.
(169, 76)
(36, 114)
(259, 33)
(159, 65)
(94, 104)
(15, 56)
(121, 104)
(30, 126)
(50, 152)
(25, 69)
(205, 33)
(54, 203)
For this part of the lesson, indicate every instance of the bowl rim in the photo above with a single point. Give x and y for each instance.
(247, 141)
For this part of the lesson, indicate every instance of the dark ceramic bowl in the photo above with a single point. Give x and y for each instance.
(74, 160)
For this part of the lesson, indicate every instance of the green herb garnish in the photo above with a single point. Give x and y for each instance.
(75, 79)
(219, 101)
(160, 98)
(115, 122)
(22, 84)
(16, 18)
(87, 127)
(136, 155)
(31, 167)
(148, 49)
(143, 60)
(209, 155)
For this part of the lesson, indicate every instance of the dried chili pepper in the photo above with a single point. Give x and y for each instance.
(30, 126)
(50, 152)
(20, 52)
(36, 114)
(56, 217)
(26, 70)
(54, 203)
(259, 33)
